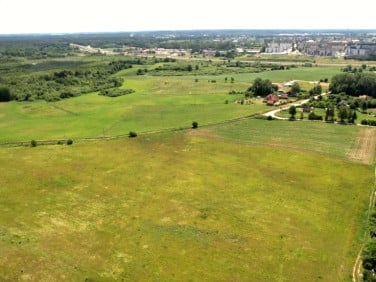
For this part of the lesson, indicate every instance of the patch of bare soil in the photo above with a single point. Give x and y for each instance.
(365, 145)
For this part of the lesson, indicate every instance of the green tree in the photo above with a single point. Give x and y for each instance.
(292, 112)
(369, 261)
(342, 113)
(329, 113)
(132, 134)
(345, 82)
(364, 106)
(33, 143)
(5, 94)
(295, 89)
(354, 116)
(261, 87)
(316, 90)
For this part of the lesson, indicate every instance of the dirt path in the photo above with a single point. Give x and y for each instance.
(365, 145)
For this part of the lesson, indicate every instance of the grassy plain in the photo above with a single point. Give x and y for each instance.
(251, 200)
(159, 102)
(183, 207)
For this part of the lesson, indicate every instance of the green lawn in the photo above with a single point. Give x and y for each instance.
(180, 207)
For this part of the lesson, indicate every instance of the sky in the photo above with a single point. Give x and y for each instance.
(74, 16)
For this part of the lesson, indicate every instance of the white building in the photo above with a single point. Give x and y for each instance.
(278, 48)
(360, 50)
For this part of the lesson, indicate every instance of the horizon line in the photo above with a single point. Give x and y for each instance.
(186, 30)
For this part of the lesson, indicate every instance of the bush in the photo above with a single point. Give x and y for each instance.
(69, 142)
(132, 134)
(116, 92)
(313, 116)
(369, 122)
(194, 124)
(269, 118)
(5, 94)
(33, 143)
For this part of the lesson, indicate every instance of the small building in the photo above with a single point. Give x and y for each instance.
(271, 99)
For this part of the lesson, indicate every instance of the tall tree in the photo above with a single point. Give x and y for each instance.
(261, 87)
(342, 113)
(295, 88)
(329, 113)
(292, 112)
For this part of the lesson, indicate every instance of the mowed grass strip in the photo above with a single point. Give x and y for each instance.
(178, 207)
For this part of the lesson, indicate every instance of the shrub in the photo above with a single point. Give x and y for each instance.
(5, 94)
(116, 92)
(132, 134)
(369, 122)
(194, 124)
(269, 118)
(69, 142)
(33, 143)
(313, 116)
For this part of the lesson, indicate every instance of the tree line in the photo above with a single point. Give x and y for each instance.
(354, 84)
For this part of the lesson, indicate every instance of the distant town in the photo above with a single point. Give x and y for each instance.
(345, 44)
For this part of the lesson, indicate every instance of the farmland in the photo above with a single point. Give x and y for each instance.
(240, 198)
(149, 207)
(158, 103)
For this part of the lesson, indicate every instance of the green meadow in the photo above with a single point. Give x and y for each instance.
(157, 104)
(183, 206)
(238, 199)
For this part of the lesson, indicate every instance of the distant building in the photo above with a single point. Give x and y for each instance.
(360, 50)
(322, 48)
(278, 48)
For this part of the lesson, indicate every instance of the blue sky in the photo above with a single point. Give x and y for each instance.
(41, 16)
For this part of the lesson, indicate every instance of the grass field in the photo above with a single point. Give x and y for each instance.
(180, 206)
(157, 104)
(246, 200)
